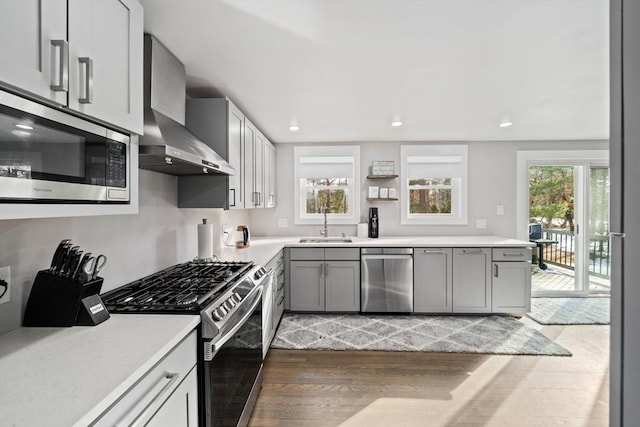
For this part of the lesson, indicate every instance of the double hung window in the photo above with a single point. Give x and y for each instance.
(326, 178)
(434, 184)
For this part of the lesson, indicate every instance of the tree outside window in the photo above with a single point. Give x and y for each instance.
(430, 196)
(330, 192)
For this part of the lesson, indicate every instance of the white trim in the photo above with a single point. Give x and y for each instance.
(580, 160)
(457, 157)
(327, 154)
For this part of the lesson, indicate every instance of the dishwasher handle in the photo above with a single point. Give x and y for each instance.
(386, 256)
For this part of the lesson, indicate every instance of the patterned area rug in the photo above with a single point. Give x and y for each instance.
(448, 334)
(570, 311)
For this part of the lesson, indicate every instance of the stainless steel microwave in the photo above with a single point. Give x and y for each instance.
(49, 156)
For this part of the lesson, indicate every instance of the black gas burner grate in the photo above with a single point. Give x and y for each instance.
(183, 288)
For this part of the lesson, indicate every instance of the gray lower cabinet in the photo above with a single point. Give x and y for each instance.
(432, 280)
(324, 279)
(307, 285)
(471, 280)
(167, 395)
(511, 280)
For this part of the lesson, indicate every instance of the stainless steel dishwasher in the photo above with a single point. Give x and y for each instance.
(387, 280)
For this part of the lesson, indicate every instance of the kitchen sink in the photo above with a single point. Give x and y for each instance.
(325, 240)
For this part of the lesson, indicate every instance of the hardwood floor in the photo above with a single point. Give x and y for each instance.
(358, 388)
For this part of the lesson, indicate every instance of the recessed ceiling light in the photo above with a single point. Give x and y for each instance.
(294, 128)
(396, 123)
(23, 126)
(505, 124)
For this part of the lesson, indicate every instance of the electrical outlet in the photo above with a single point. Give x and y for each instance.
(499, 210)
(481, 223)
(283, 222)
(5, 274)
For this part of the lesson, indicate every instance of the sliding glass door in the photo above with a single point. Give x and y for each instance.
(569, 222)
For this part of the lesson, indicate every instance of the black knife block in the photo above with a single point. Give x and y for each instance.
(58, 301)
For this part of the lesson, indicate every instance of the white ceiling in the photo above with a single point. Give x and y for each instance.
(451, 70)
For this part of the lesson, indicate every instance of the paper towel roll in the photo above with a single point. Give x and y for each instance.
(205, 240)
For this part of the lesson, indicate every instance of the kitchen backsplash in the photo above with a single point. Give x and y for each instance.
(135, 245)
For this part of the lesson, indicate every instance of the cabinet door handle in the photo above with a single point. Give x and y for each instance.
(160, 393)
(234, 196)
(508, 255)
(322, 269)
(495, 270)
(63, 68)
(432, 252)
(471, 251)
(88, 80)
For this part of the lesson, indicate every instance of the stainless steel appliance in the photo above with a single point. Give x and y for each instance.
(386, 280)
(47, 155)
(228, 297)
(167, 146)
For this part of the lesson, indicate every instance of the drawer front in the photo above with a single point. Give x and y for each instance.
(512, 254)
(302, 254)
(179, 362)
(276, 261)
(342, 254)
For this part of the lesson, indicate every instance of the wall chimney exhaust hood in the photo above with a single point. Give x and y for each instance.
(167, 146)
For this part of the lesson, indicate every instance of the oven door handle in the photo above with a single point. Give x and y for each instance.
(211, 348)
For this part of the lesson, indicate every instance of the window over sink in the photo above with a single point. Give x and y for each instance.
(326, 177)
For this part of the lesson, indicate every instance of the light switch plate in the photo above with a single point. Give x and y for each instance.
(5, 274)
(500, 210)
(283, 222)
(481, 223)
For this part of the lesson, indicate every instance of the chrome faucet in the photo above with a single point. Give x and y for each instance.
(325, 232)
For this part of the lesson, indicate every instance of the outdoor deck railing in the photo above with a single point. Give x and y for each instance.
(563, 252)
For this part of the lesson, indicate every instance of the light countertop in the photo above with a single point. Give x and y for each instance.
(69, 376)
(262, 249)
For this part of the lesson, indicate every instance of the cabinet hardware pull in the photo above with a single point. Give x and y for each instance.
(63, 68)
(322, 269)
(471, 251)
(165, 387)
(234, 196)
(495, 270)
(433, 252)
(88, 80)
(507, 254)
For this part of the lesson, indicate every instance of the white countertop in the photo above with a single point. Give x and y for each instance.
(69, 376)
(262, 249)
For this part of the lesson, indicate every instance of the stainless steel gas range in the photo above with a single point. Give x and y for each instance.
(228, 298)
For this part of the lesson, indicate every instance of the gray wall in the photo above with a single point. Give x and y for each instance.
(492, 181)
(136, 245)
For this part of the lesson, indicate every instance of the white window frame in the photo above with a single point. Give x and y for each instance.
(341, 154)
(439, 156)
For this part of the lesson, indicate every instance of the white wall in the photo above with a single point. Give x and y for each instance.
(492, 181)
(161, 235)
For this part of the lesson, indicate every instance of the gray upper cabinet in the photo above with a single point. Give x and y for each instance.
(220, 124)
(270, 175)
(96, 71)
(433, 280)
(33, 45)
(471, 280)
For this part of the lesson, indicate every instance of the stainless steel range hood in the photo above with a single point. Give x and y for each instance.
(167, 146)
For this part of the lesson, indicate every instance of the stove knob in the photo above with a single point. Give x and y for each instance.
(222, 310)
(216, 315)
(236, 297)
(227, 304)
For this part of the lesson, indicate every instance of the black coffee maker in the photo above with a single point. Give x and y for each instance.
(374, 226)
